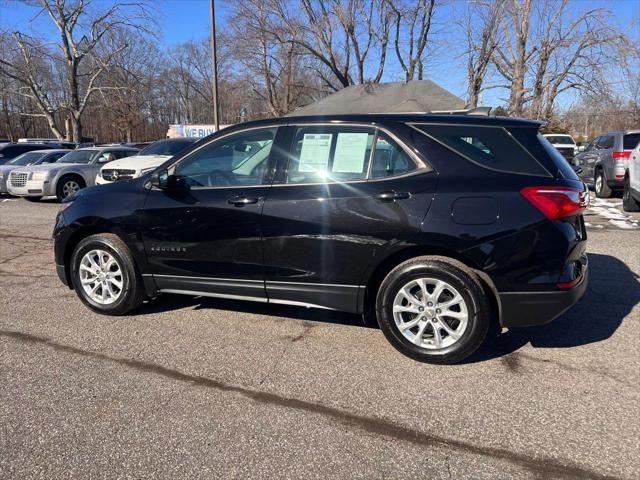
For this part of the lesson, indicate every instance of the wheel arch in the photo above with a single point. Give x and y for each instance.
(388, 263)
(71, 173)
(89, 227)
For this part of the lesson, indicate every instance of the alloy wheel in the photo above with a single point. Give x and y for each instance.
(430, 313)
(598, 185)
(101, 277)
(70, 187)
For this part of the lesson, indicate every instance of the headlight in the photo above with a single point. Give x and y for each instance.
(146, 170)
(1, 175)
(39, 175)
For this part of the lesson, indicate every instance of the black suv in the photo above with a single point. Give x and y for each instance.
(439, 224)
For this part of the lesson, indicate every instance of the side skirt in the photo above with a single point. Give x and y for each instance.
(313, 295)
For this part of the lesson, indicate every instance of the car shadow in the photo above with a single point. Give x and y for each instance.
(612, 293)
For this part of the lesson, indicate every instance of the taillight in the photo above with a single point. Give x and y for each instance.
(557, 202)
(621, 154)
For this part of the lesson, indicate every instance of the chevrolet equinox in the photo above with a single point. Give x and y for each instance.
(437, 224)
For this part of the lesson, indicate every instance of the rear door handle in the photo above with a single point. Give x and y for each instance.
(391, 195)
(240, 200)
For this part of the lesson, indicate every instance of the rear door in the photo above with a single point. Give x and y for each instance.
(343, 196)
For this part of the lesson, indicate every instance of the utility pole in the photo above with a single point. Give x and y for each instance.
(214, 65)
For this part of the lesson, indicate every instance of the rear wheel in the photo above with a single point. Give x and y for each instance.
(68, 186)
(433, 309)
(629, 204)
(600, 186)
(105, 276)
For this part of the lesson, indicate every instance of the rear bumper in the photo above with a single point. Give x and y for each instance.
(526, 309)
(615, 176)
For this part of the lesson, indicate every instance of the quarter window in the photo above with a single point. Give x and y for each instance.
(389, 159)
(490, 147)
(329, 154)
(630, 141)
(237, 160)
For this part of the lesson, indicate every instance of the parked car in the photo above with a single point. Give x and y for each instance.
(34, 157)
(53, 142)
(603, 161)
(76, 170)
(145, 161)
(631, 191)
(433, 224)
(565, 144)
(10, 151)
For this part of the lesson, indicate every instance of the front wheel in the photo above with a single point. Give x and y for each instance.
(67, 186)
(600, 186)
(629, 204)
(433, 309)
(105, 276)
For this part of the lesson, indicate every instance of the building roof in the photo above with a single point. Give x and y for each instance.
(394, 97)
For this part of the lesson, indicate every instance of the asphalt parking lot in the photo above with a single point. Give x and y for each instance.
(193, 387)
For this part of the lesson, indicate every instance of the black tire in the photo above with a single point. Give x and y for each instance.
(66, 180)
(600, 185)
(629, 204)
(456, 274)
(32, 199)
(132, 292)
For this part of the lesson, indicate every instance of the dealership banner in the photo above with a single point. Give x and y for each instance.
(194, 131)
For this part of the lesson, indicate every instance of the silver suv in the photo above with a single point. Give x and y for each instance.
(604, 161)
(76, 170)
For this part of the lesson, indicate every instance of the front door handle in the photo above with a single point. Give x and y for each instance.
(391, 195)
(240, 200)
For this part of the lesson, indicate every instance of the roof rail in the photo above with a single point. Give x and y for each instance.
(482, 111)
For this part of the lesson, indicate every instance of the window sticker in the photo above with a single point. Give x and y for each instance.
(314, 156)
(351, 149)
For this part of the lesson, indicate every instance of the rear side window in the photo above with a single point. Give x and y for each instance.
(606, 142)
(321, 154)
(630, 141)
(489, 147)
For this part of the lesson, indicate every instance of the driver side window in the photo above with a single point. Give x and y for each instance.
(237, 160)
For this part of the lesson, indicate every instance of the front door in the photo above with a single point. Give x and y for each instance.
(343, 196)
(205, 239)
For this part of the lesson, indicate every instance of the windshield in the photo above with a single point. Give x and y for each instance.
(166, 147)
(560, 139)
(79, 156)
(26, 159)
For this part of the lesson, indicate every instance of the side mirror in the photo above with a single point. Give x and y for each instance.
(162, 180)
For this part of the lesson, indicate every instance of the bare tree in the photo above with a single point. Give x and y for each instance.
(82, 34)
(569, 52)
(512, 56)
(412, 25)
(277, 70)
(348, 39)
(480, 26)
